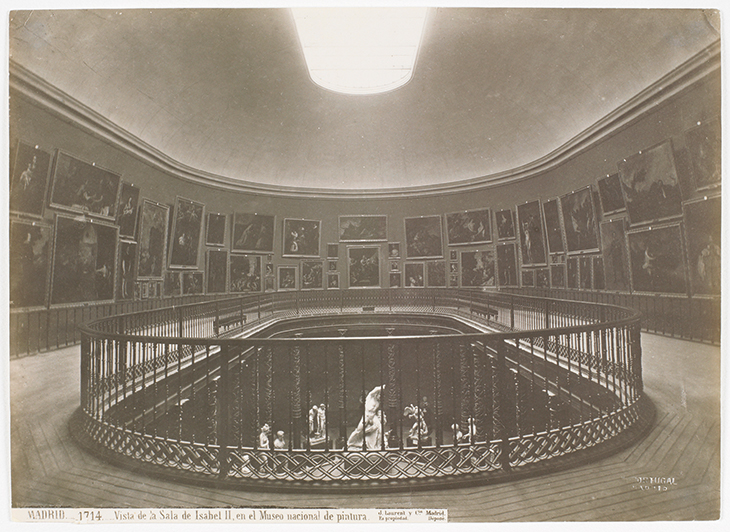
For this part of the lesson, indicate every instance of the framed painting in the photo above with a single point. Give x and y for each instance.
(29, 180)
(612, 199)
(269, 284)
(705, 150)
(505, 224)
(453, 254)
(395, 280)
(333, 281)
(532, 241)
(127, 210)
(528, 278)
(215, 229)
(703, 234)
(333, 251)
(424, 238)
(557, 276)
(657, 260)
(615, 256)
(172, 286)
(478, 268)
(469, 227)
(453, 280)
(144, 289)
(542, 278)
(312, 276)
(192, 283)
(507, 264)
(650, 185)
(287, 277)
(125, 280)
(454, 267)
(363, 266)
(331, 265)
(394, 266)
(29, 263)
(244, 273)
(363, 228)
(554, 232)
(268, 269)
(580, 221)
(436, 274)
(84, 260)
(414, 275)
(599, 276)
(394, 250)
(253, 233)
(301, 238)
(573, 280)
(217, 271)
(586, 273)
(84, 187)
(186, 229)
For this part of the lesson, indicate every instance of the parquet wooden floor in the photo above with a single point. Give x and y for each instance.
(682, 379)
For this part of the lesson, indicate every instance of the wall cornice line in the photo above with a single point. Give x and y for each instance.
(34, 88)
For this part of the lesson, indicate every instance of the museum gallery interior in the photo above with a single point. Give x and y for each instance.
(367, 258)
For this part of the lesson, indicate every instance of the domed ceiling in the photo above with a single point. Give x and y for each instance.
(227, 91)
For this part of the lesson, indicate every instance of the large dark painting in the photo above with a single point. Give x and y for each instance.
(127, 210)
(30, 245)
(586, 273)
(312, 277)
(125, 279)
(705, 149)
(287, 277)
(333, 281)
(414, 275)
(552, 226)
(612, 199)
(650, 185)
(531, 234)
(615, 258)
(363, 228)
(244, 273)
(505, 224)
(363, 266)
(217, 270)
(172, 286)
(152, 239)
(528, 278)
(469, 227)
(301, 238)
(436, 274)
(477, 268)
(186, 230)
(424, 239)
(84, 261)
(215, 229)
(557, 275)
(83, 187)
(542, 278)
(507, 264)
(253, 233)
(572, 268)
(703, 227)
(29, 180)
(599, 277)
(657, 263)
(581, 233)
(192, 283)
(395, 279)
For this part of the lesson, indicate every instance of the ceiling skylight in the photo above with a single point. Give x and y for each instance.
(360, 50)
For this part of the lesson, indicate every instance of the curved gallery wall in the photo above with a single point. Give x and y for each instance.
(587, 239)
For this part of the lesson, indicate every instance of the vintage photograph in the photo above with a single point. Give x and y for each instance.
(312, 277)
(703, 230)
(244, 273)
(532, 241)
(287, 277)
(705, 150)
(650, 184)
(215, 229)
(187, 226)
(125, 278)
(552, 226)
(29, 180)
(84, 187)
(657, 260)
(469, 227)
(424, 239)
(84, 260)
(478, 268)
(29, 263)
(153, 220)
(363, 266)
(363, 228)
(436, 274)
(612, 199)
(301, 238)
(217, 271)
(579, 217)
(505, 224)
(507, 264)
(127, 210)
(252, 232)
(414, 275)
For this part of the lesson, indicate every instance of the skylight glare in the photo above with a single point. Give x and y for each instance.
(360, 50)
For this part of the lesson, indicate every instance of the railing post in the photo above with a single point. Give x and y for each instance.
(547, 313)
(222, 411)
(258, 301)
(503, 425)
(342, 389)
(296, 408)
(180, 331)
(512, 311)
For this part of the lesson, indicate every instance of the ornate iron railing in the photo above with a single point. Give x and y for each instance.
(195, 389)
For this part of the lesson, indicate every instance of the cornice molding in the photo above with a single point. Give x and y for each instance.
(37, 90)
